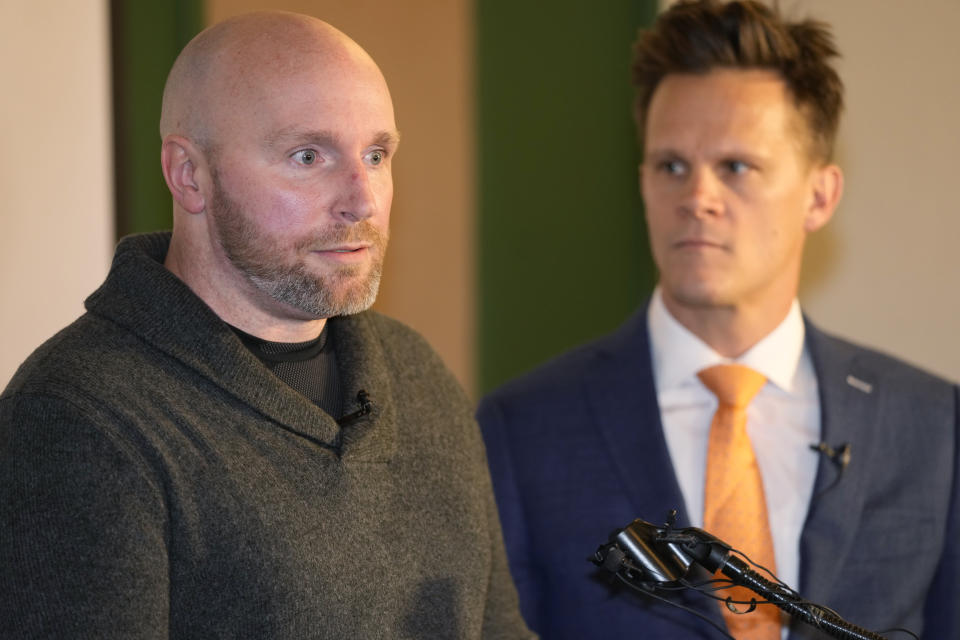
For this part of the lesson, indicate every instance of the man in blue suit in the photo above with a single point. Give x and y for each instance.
(737, 112)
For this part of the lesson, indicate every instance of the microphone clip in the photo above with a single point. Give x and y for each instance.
(839, 456)
(366, 406)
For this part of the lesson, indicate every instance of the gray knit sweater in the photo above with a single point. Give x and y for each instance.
(157, 481)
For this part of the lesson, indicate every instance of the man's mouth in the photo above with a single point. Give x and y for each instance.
(698, 243)
(345, 249)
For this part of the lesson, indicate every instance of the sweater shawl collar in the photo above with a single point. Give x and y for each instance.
(143, 297)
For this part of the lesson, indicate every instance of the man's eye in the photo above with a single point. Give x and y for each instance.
(376, 157)
(672, 167)
(306, 156)
(737, 167)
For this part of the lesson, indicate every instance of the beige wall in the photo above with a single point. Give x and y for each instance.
(55, 168)
(424, 48)
(886, 269)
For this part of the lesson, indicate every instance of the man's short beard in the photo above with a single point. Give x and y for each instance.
(346, 291)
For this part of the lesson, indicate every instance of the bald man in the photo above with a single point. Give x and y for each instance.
(228, 444)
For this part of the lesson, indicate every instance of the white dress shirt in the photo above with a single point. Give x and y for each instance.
(783, 420)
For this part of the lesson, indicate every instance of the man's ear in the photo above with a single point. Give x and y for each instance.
(184, 170)
(826, 190)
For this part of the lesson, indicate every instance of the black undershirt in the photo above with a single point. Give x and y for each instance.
(310, 368)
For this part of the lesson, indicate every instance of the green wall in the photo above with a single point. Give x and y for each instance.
(146, 38)
(562, 248)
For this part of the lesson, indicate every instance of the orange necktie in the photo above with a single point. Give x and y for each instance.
(734, 507)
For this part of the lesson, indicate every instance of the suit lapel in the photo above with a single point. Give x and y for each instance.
(622, 398)
(623, 401)
(848, 406)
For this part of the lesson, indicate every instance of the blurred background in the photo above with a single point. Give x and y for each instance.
(517, 225)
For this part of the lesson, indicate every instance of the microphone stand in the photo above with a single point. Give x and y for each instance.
(664, 555)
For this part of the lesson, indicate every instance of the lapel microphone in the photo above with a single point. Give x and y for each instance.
(363, 400)
(840, 457)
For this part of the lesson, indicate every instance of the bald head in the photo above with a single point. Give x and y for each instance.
(236, 62)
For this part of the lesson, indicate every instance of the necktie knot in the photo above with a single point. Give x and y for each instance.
(734, 384)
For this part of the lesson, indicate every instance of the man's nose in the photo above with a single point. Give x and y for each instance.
(702, 194)
(358, 199)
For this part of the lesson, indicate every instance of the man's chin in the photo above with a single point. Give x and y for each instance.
(352, 306)
(311, 298)
(350, 299)
(697, 295)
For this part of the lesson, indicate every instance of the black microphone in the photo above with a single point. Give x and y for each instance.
(661, 556)
(366, 406)
(839, 456)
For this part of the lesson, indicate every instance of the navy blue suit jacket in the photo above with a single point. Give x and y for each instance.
(577, 450)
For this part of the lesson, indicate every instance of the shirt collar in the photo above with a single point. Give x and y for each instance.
(678, 354)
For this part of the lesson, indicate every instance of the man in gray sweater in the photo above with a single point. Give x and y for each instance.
(227, 444)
